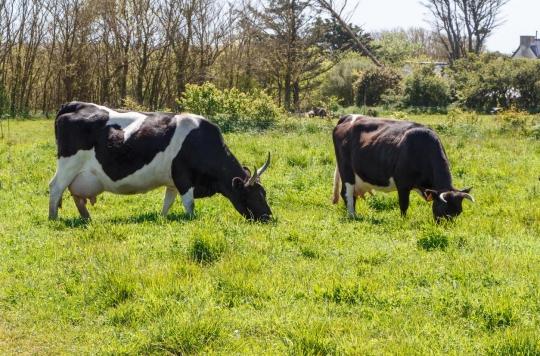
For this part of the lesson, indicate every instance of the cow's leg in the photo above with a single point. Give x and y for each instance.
(403, 195)
(170, 196)
(67, 169)
(347, 187)
(184, 184)
(350, 199)
(189, 201)
(80, 203)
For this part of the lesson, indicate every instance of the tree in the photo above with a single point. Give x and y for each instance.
(330, 7)
(287, 41)
(464, 25)
(334, 36)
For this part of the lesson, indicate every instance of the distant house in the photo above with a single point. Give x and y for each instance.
(529, 47)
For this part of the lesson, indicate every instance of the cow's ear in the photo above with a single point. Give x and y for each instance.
(430, 194)
(238, 183)
(247, 171)
(466, 190)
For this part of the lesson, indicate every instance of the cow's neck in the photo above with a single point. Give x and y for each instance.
(231, 169)
(442, 178)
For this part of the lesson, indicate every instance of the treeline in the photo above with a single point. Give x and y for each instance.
(480, 83)
(108, 51)
(146, 52)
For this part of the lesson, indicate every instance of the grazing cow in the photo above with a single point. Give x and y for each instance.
(388, 155)
(100, 149)
(317, 111)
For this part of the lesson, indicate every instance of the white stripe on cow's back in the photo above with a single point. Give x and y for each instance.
(129, 121)
(354, 117)
(152, 175)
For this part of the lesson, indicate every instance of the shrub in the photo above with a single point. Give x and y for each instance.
(339, 81)
(484, 82)
(231, 109)
(129, 103)
(514, 120)
(374, 83)
(425, 88)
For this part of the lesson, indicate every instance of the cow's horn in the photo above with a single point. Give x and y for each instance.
(253, 178)
(261, 170)
(441, 197)
(468, 196)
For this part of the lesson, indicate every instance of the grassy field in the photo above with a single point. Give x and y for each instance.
(312, 282)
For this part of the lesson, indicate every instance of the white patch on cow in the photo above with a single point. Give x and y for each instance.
(188, 201)
(168, 200)
(349, 195)
(129, 121)
(91, 179)
(67, 169)
(361, 187)
(354, 118)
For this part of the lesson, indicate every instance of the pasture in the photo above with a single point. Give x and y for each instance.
(312, 282)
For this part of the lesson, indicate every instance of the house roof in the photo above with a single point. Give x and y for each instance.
(529, 48)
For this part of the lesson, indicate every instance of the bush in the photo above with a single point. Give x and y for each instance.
(374, 83)
(424, 88)
(129, 103)
(520, 122)
(484, 82)
(340, 79)
(231, 109)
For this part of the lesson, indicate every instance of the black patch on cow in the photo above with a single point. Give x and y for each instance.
(205, 163)
(120, 159)
(82, 126)
(77, 126)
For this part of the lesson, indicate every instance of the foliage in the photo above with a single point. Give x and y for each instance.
(334, 37)
(231, 109)
(340, 79)
(425, 88)
(393, 47)
(484, 82)
(373, 83)
(312, 282)
(129, 103)
(518, 122)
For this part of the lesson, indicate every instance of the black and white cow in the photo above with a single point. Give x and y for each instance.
(102, 150)
(388, 155)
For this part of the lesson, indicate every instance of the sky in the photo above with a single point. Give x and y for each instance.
(521, 17)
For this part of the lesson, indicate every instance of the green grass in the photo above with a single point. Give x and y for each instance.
(312, 282)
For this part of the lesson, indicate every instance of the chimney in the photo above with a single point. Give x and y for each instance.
(526, 41)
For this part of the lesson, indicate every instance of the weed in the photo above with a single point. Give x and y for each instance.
(433, 240)
(206, 249)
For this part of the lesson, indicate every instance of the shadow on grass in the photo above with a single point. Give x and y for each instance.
(374, 220)
(75, 223)
(151, 217)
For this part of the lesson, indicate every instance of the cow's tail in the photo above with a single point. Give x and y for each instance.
(337, 181)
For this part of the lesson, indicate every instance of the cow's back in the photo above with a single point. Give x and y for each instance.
(77, 126)
(375, 148)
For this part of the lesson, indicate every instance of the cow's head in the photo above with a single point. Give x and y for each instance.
(448, 204)
(249, 196)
